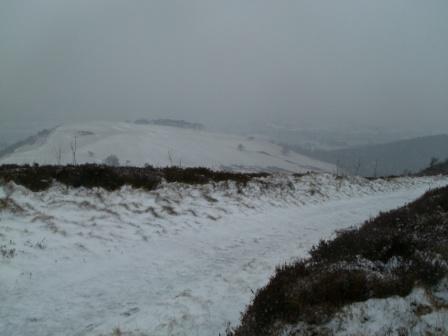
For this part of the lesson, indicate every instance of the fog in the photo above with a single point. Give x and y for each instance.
(229, 64)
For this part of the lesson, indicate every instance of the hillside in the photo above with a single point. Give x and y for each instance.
(159, 146)
(394, 158)
(181, 259)
(387, 277)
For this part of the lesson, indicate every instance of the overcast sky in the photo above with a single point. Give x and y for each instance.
(226, 63)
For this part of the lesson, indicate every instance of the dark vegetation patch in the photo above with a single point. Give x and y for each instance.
(85, 133)
(172, 123)
(388, 255)
(202, 175)
(435, 168)
(7, 252)
(37, 178)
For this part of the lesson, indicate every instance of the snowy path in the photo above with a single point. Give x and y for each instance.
(188, 282)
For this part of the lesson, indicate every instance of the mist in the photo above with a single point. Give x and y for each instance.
(232, 65)
(223, 167)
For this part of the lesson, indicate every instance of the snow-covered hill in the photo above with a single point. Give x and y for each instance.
(178, 260)
(138, 145)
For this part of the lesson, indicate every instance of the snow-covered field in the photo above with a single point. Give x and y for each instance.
(180, 260)
(160, 146)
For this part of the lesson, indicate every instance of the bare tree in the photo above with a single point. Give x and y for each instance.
(58, 154)
(170, 158)
(74, 148)
(358, 167)
(375, 170)
(433, 161)
(112, 160)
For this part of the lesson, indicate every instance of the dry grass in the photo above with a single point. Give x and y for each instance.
(9, 205)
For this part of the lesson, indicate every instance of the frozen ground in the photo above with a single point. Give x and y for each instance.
(181, 260)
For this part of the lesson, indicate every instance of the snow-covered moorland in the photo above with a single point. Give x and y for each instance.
(159, 146)
(178, 260)
(387, 276)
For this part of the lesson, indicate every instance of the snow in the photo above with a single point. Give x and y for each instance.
(415, 314)
(138, 145)
(421, 312)
(179, 260)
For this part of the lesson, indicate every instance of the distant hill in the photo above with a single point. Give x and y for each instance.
(31, 140)
(160, 146)
(394, 158)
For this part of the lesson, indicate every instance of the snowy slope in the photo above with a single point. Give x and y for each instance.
(161, 146)
(180, 260)
(422, 312)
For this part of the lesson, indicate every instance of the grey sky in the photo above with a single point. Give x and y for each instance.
(226, 63)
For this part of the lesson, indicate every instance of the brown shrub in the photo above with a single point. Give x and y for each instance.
(37, 178)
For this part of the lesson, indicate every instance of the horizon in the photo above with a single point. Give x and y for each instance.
(232, 66)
